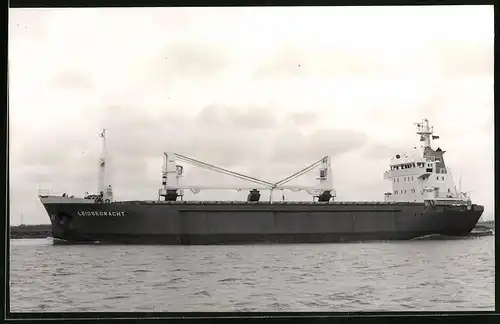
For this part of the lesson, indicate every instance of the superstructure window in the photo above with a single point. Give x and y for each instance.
(442, 178)
(395, 192)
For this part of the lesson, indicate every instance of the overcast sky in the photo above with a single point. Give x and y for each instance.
(263, 91)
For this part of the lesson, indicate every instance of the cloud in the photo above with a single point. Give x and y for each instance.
(448, 58)
(220, 133)
(303, 119)
(184, 60)
(291, 61)
(29, 23)
(456, 58)
(47, 150)
(71, 79)
(294, 147)
(248, 118)
(382, 151)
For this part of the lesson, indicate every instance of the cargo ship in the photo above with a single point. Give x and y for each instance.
(424, 201)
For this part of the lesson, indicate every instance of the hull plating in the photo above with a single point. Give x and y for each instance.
(228, 223)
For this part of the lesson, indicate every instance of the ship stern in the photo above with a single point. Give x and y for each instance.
(460, 220)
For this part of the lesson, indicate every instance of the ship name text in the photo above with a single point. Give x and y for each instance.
(100, 213)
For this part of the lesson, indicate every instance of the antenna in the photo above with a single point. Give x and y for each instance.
(425, 131)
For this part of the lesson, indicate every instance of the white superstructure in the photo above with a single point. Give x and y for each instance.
(421, 174)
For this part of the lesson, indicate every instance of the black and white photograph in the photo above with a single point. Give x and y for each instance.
(251, 159)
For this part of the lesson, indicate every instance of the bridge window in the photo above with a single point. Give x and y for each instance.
(395, 192)
(449, 190)
(437, 178)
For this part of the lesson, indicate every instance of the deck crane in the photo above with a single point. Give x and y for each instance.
(172, 172)
(325, 192)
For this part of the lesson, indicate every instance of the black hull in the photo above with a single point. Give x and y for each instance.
(257, 223)
(245, 239)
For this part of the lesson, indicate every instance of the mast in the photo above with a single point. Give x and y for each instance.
(102, 164)
(103, 186)
(425, 131)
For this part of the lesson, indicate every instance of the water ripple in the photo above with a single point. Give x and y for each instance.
(416, 275)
